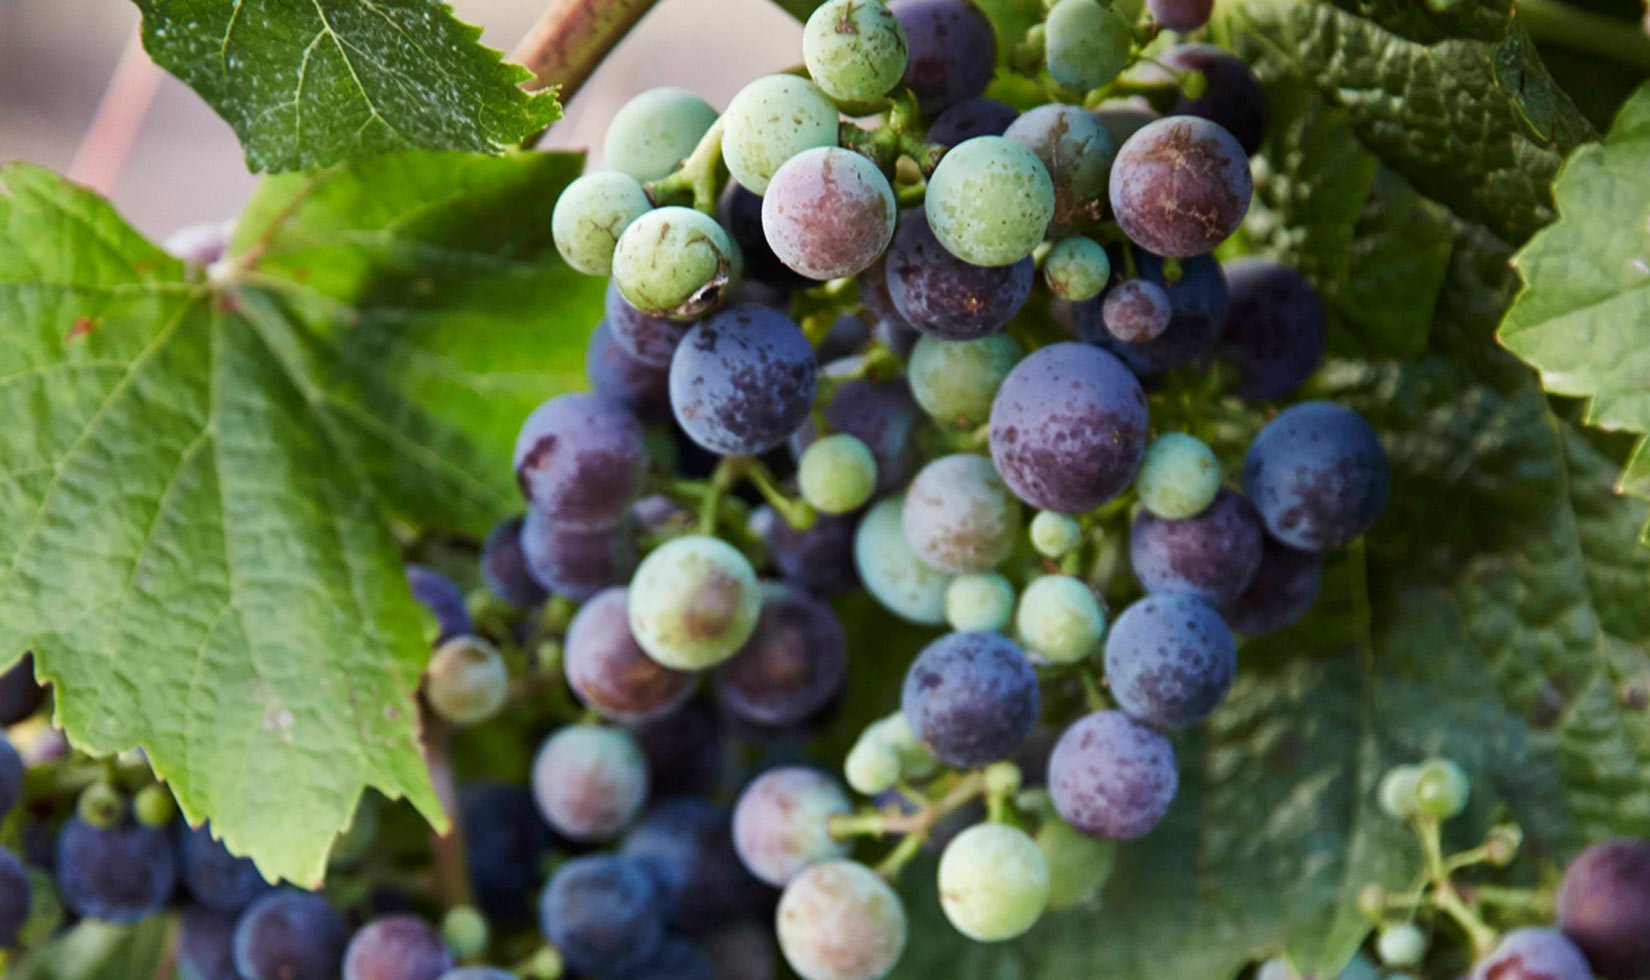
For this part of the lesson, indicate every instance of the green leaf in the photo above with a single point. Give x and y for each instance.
(1579, 320)
(312, 84)
(94, 950)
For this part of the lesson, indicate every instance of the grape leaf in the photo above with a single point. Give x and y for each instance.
(1586, 290)
(311, 84)
(92, 950)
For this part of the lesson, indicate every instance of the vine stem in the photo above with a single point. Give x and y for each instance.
(1583, 30)
(447, 850)
(572, 37)
(120, 113)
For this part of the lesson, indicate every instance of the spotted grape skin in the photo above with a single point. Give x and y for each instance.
(615, 374)
(959, 516)
(990, 201)
(952, 51)
(686, 846)
(1180, 186)
(655, 131)
(781, 823)
(610, 672)
(839, 920)
(649, 339)
(573, 561)
(1604, 907)
(118, 874)
(1275, 328)
(1282, 590)
(1213, 555)
(397, 947)
(1077, 150)
(693, 602)
(602, 913)
(828, 213)
(1135, 311)
(1231, 96)
(891, 570)
(971, 698)
(955, 381)
(1086, 43)
(290, 935)
(1197, 315)
(771, 120)
(854, 50)
(743, 380)
(675, 262)
(1068, 428)
(589, 781)
(994, 882)
(1110, 776)
(971, 118)
(1534, 954)
(793, 664)
(944, 296)
(590, 215)
(1318, 476)
(1170, 660)
(580, 460)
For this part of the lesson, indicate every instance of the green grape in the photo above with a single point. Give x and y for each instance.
(1054, 534)
(655, 131)
(694, 602)
(1179, 477)
(1403, 944)
(955, 380)
(1087, 43)
(994, 882)
(771, 120)
(837, 473)
(839, 920)
(675, 262)
(915, 760)
(1077, 269)
(1441, 789)
(100, 805)
(465, 930)
(1078, 865)
(154, 807)
(981, 601)
(1059, 620)
(990, 201)
(891, 571)
(1397, 791)
(872, 765)
(590, 216)
(854, 49)
(466, 681)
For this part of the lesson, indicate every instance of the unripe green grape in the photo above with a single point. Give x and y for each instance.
(1179, 477)
(1078, 865)
(915, 760)
(655, 131)
(591, 214)
(891, 571)
(1054, 534)
(1002, 779)
(837, 473)
(1086, 43)
(1397, 791)
(854, 49)
(1276, 968)
(955, 380)
(872, 765)
(994, 882)
(100, 805)
(1059, 620)
(1077, 269)
(466, 681)
(989, 201)
(839, 920)
(694, 602)
(675, 262)
(1401, 945)
(771, 120)
(465, 930)
(1441, 789)
(981, 601)
(154, 807)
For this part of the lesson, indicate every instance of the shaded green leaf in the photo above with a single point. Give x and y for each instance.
(94, 950)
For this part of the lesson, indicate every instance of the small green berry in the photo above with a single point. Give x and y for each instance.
(1372, 902)
(872, 765)
(915, 759)
(981, 602)
(465, 931)
(1397, 791)
(1441, 789)
(1002, 779)
(1179, 477)
(154, 807)
(467, 681)
(1054, 535)
(1059, 620)
(1503, 843)
(837, 474)
(1077, 269)
(1401, 945)
(101, 805)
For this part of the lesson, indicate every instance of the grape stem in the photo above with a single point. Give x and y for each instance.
(446, 850)
(915, 826)
(571, 37)
(1444, 894)
(120, 113)
(699, 179)
(799, 514)
(1585, 31)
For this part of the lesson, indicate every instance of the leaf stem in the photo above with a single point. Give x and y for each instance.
(1582, 30)
(120, 114)
(571, 38)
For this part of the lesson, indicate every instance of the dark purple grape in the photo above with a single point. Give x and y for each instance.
(1212, 556)
(952, 50)
(887, 325)
(1077, 149)
(971, 698)
(1180, 186)
(1170, 660)
(206, 944)
(1068, 428)
(940, 294)
(847, 335)
(971, 118)
(828, 213)
(791, 666)
(581, 460)
(398, 947)
(1111, 776)
(1275, 328)
(819, 559)
(649, 339)
(675, 959)
(1232, 96)
(610, 672)
(1535, 954)
(504, 566)
(881, 414)
(505, 844)
(216, 878)
(742, 951)
(1604, 907)
(14, 898)
(1283, 589)
(20, 696)
(573, 562)
(1197, 314)
(445, 601)
(1181, 15)
(120, 874)
(1135, 311)
(478, 973)
(602, 913)
(743, 380)
(683, 751)
(290, 935)
(1124, 117)
(11, 776)
(686, 845)
(1318, 476)
(616, 375)
(740, 212)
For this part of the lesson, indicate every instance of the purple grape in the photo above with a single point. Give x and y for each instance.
(1318, 476)
(589, 781)
(206, 944)
(290, 935)
(971, 698)
(791, 666)
(616, 375)
(1181, 15)
(675, 959)
(781, 824)
(1197, 314)
(478, 973)
(828, 213)
(445, 601)
(887, 324)
(397, 947)
(686, 845)
(1604, 907)
(971, 118)
(505, 844)
(959, 516)
(581, 460)
(1212, 556)
(847, 335)
(504, 566)
(742, 951)
(1180, 186)
(881, 414)
(1135, 311)
(1124, 117)
(1275, 328)
(11, 776)
(952, 50)
(1170, 660)
(602, 913)
(610, 672)
(1111, 776)
(683, 751)
(574, 562)
(743, 380)
(20, 696)
(14, 898)
(941, 295)
(1283, 589)
(1535, 954)
(1077, 149)
(819, 559)
(740, 212)
(1232, 96)
(649, 339)
(216, 878)
(119, 874)
(1068, 428)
